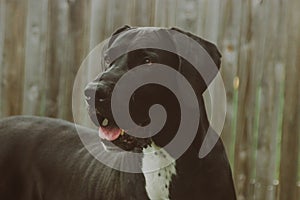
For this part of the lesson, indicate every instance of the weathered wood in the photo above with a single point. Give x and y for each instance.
(119, 14)
(187, 15)
(13, 59)
(228, 46)
(160, 16)
(248, 78)
(298, 190)
(97, 22)
(272, 79)
(143, 13)
(76, 39)
(35, 57)
(291, 115)
(2, 37)
(57, 54)
(43, 42)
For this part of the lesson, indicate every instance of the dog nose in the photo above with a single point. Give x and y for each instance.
(96, 92)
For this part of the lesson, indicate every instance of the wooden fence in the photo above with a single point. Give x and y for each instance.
(43, 42)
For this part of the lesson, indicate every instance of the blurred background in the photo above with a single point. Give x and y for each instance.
(43, 43)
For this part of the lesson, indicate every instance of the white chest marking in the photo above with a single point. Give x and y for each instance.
(158, 168)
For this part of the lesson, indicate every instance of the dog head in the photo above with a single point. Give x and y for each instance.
(99, 92)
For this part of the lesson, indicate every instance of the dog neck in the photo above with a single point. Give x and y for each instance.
(158, 168)
(168, 178)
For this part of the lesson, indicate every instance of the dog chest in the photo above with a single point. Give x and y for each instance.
(158, 168)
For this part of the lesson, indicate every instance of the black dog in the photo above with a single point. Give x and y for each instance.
(42, 158)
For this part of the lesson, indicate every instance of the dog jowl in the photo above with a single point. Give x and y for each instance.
(187, 176)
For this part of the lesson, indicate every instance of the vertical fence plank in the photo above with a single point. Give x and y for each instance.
(67, 45)
(272, 79)
(110, 19)
(228, 46)
(119, 15)
(165, 13)
(211, 27)
(2, 35)
(76, 20)
(187, 15)
(144, 11)
(35, 56)
(259, 60)
(97, 22)
(13, 61)
(63, 54)
(291, 116)
(211, 33)
(160, 16)
(248, 78)
(57, 41)
(298, 191)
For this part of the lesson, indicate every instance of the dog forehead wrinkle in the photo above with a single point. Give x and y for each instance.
(142, 38)
(147, 39)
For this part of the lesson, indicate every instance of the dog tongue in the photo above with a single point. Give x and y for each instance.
(109, 134)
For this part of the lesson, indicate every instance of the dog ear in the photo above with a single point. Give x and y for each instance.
(121, 29)
(189, 71)
(116, 32)
(211, 49)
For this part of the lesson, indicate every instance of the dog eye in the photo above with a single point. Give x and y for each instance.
(147, 61)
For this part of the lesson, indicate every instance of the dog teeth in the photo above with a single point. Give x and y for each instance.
(105, 122)
(122, 132)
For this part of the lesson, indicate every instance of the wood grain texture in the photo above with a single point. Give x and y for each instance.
(43, 43)
(13, 58)
(291, 115)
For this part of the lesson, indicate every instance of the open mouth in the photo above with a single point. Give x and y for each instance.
(108, 132)
(112, 136)
(107, 128)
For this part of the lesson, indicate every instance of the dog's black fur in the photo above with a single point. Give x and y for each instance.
(43, 158)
